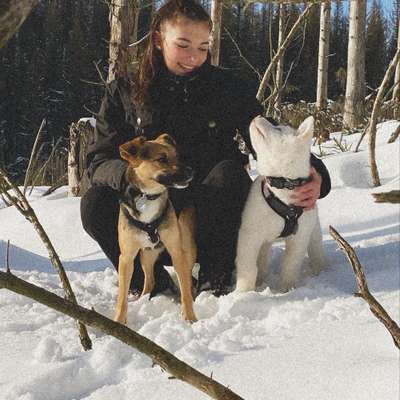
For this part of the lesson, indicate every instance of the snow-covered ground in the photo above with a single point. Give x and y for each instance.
(315, 342)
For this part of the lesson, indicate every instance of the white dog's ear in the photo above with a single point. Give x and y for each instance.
(306, 128)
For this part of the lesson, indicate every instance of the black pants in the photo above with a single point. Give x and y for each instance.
(219, 202)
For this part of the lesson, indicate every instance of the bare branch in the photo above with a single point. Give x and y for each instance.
(8, 257)
(241, 54)
(387, 197)
(281, 50)
(12, 16)
(33, 154)
(374, 117)
(394, 135)
(168, 362)
(363, 290)
(22, 204)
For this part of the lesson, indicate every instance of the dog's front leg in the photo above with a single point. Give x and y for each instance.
(295, 251)
(315, 249)
(172, 239)
(184, 272)
(147, 259)
(248, 248)
(125, 271)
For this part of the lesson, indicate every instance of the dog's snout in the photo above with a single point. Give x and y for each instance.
(188, 173)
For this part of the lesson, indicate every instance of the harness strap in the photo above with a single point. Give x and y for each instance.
(151, 228)
(286, 183)
(289, 213)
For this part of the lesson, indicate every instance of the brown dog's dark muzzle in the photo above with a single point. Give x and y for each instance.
(179, 179)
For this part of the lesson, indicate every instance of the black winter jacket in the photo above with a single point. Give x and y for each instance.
(203, 113)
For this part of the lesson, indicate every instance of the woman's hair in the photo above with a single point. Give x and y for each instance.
(151, 59)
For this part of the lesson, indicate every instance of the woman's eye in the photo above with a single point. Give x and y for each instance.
(203, 50)
(182, 46)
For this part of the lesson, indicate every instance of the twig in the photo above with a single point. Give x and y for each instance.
(168, 362)
(281, 50)
(140, 40)
(22, 204)
(33, 153)
(374, 117)
(241, 54)
(363, 290)
(44, 166)
(394, 135)
(8, 257)
(61, 182)
(387, 197)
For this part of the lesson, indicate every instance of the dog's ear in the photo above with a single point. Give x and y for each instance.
(306, 128)
(129, 151)
(167, 139)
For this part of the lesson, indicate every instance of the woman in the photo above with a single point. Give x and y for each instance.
(177, 91)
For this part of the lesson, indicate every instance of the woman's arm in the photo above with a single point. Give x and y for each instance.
(114, 126)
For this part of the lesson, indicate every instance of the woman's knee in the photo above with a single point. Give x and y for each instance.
(99, 206)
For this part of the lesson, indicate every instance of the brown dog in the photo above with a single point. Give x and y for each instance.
(147, 220)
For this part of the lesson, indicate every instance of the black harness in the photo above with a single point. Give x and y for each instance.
(151, 228)
(289, 213)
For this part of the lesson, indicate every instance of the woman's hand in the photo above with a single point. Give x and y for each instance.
(306, 195)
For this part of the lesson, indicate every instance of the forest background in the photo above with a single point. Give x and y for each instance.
(48, 69)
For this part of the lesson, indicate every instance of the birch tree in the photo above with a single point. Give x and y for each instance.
(123, 23)
(280, 63)
(216, 16)
(323, 52)
(355, 82)
(396, 90)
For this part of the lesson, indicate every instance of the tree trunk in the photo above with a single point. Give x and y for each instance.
(323, 52)
(355, 84)
(396, 90)
(281, 50)
(279, 65)
(123, 22)
(216, 16)
(12, 16)
(73, 161)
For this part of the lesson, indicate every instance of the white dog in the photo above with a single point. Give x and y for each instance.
(283, 162)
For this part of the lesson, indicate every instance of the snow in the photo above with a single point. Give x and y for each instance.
(316, 342)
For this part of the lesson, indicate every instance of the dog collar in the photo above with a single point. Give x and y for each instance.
(286, 183)
(151, 228)
(289, 213)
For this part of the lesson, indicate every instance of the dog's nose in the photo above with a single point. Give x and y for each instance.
(188, 173)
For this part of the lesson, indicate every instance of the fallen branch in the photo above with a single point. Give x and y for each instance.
(161, 357)
(61, 182)
(387, 197)
(22, 205)
(394, 135)
(363, 290)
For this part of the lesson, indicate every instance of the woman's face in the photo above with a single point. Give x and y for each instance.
(184, 44)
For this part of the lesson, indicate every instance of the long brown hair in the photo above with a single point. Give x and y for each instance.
(151, 59)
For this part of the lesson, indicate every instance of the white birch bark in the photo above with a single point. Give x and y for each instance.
(355, 83)
(323, 52)
(216, 16)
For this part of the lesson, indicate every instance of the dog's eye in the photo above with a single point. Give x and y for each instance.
(163, 159)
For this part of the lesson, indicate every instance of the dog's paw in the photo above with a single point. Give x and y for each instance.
(243, 287)
(121, 319)
(189, 316)
(286, 286)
